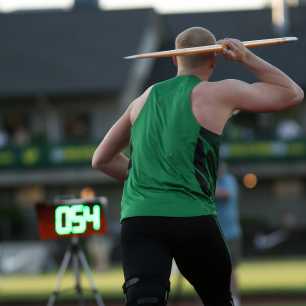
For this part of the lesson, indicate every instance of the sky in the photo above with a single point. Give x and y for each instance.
(163, 6)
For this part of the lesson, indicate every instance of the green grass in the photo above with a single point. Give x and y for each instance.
(255, 277)
(291, 304)
(269, 277)
(273, 275)
(40, 286)
(277, 304)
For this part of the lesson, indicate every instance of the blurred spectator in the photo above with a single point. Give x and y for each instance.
(76, 127)
(228, 216)
(16, 124)
(239, 132)
(265, 126)
(21, 136)
(288, 129)
(3, 138)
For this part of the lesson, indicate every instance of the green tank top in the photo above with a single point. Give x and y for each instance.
(174, 161)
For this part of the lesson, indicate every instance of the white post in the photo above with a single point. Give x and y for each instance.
(280, 16)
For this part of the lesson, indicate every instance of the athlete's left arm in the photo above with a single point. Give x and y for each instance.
(108, 157)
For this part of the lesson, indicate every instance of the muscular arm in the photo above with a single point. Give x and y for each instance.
(274, 90)
(108, 157)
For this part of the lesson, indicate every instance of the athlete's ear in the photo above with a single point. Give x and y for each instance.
(174, 60)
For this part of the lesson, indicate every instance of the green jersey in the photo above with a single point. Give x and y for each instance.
(174, 161)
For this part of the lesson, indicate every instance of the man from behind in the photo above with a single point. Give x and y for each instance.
(168, 203)
(227, 195)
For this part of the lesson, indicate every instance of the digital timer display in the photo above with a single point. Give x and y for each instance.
(75, 219)
(68, 220)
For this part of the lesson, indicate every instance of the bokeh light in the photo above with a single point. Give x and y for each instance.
(250, 180)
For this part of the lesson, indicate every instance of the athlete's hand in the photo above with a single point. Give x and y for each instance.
(234, 50)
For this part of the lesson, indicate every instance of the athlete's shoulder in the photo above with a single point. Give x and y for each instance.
(143, 96)
(137, 104)
(223, 90)
(164, 83)
(231, 84)
(155, 85)
(221, 84)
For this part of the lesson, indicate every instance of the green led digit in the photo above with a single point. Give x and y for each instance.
(78, 219)
(63, 224)
(93, 217)
(73, 219)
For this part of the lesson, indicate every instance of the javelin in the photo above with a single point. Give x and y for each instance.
(218, 48)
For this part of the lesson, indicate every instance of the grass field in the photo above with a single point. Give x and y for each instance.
(255, 277)
(279, 304)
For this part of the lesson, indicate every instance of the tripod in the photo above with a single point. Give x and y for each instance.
(75, 254)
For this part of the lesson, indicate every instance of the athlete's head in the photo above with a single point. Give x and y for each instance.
(195, 37)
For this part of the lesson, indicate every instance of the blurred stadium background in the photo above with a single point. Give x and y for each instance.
(63, 82)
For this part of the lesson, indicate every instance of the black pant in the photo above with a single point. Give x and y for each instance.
(150, 243)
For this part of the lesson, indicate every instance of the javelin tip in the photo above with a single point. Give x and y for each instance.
(293, 38)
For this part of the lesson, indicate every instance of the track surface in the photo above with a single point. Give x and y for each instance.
(246, 301)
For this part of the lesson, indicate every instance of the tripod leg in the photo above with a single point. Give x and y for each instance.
(177, 293)
(90, 277)
(59, 277)
(77, 273)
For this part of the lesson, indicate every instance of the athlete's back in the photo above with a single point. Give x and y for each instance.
(173, 159)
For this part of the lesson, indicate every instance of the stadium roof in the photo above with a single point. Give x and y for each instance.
(80, 51)
(58, 52)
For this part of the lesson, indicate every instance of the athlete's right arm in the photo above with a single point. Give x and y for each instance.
(274, 90)
(107, 156)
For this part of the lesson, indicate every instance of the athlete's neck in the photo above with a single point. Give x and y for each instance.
(203, 73)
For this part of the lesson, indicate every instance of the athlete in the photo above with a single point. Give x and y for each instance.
(227, 194)
(168, 204)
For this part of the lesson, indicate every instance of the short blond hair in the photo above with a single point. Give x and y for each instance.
(194, 37)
